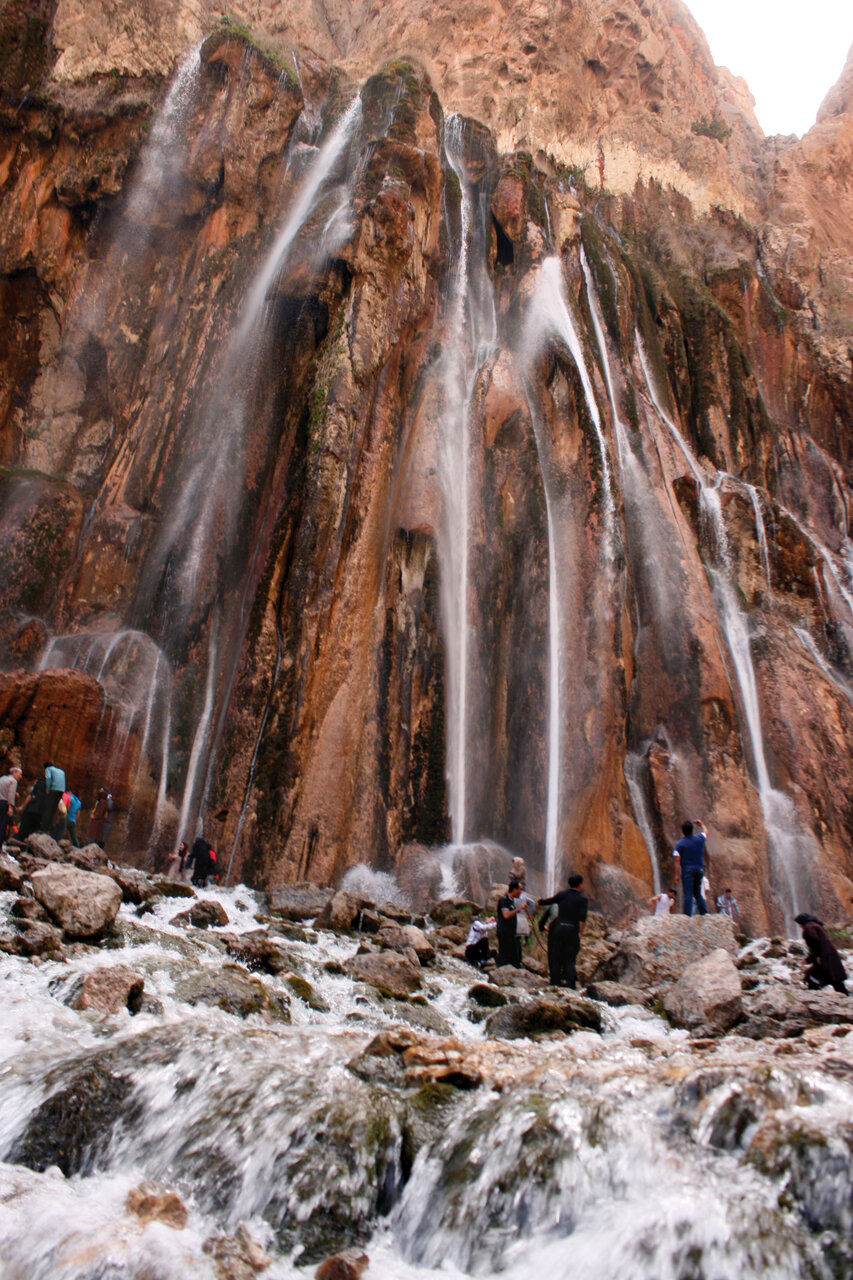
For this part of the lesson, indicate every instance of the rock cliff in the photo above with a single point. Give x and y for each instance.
(428, 424)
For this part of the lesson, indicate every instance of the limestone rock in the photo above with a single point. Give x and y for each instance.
(506, 975)
(41, 845)
(348, 1265)
(28, 909)
(151, 1203)
(537, 1017)
(781, 1010)
(303, 901)
(341, 912)
(207, 914)
(237, 1257)
(232, 989)
(35, 938)
(11, 874)
(657, 949)
(707, 996)
(387, 971)
(90, 858)
(136, 887)
(256, 950)
(109, 989)
(82, 903)
(407, 938)
(615, 994)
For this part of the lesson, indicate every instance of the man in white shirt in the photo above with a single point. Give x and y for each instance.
(8, 795)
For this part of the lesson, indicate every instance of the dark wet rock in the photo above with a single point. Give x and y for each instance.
(615, 994)
(334, 967)
(370, 921)
(206, 914)
(341, 913)
(302, 988)
(73, 1127)
(173, 888)
(787, 1011)
(538, 1017)
(815, 1166)
(150, 1203)
(348, 1265)
(11, 874)
(656, 950)
(707, 996)
(297, 902)
(28, 909)
(405, 938)
(82, 903)
(257, 951)
(109, 989)
(453, 911)
(507, 975)
(237, 1257)
(34, 938)
(232, 989)
(486, 996)
(389, 972)
(136, 887)
(423, 1017)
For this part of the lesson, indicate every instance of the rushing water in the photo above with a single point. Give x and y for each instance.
(627, 1153)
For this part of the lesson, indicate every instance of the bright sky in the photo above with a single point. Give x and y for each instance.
(790, 52)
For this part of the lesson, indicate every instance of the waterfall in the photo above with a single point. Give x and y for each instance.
(634, 768)
(789, 847)
(760, 531)
(469, 340)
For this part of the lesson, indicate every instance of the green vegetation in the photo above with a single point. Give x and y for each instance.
(712, 128)
(266, 48)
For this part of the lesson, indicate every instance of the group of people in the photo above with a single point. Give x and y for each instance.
(52, 807)
(566, 913)
(197, 864)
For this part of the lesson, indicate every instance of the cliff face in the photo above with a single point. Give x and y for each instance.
(376, 476)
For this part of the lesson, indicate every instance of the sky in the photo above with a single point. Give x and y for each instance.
(790, 52)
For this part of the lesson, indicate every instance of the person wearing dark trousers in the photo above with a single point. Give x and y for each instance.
(824, 967)
(689, 855)
(564, 932)
(509, 943)
(8, 796)
(32, 811)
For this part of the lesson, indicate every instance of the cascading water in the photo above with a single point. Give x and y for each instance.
(791, 850)
(469, 340)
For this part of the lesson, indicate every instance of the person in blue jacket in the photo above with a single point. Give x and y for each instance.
(689, 855)
(73, 806)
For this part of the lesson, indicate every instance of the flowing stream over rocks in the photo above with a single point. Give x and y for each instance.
(263, 1107)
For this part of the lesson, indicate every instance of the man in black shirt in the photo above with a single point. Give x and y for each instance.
(509, 944)
(564, 933)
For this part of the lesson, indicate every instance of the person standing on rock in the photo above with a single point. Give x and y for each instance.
(101, 821)
(73, 806)
(54, 781)
(564, 933)
(509, 908)
(8, 795)
(689, 855)
(825, 968)
(31, 816)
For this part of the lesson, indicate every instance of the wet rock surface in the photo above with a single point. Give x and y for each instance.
(109, 989)
(82, 903)
(708, 995)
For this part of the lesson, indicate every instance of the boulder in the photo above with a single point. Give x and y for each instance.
(34, 938)
(11, 874)
(150, 1203)
(348, 1265)
(486, 997)
(536, 1017)
(303, 989)
(206, 914)
(455, 911)
(73, 1127)
(780, 1011)
(237, 1257)
(28, 909)
(341, 912)
(506, 975)
(109, 989)
(232, 989)
(257, 951)
(173, 888)
(299, 901)
(90, 858)
(615, 994)
(136, 887)
(41, 845)
(406, 937)
(707, 996)
(656, 950)
(388, 971)
(82, 903)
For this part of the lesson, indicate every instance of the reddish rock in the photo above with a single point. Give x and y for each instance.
(109, 989)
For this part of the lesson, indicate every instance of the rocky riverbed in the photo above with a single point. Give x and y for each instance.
(223, 1085)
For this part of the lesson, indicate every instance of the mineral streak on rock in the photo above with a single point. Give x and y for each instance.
(292, 660)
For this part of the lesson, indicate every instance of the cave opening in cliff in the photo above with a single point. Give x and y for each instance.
(505, 255)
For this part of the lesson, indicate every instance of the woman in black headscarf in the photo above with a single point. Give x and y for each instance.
(825, 968)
